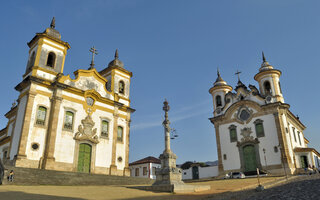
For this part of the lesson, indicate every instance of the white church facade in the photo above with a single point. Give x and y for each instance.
(255, 129)
(66, 124)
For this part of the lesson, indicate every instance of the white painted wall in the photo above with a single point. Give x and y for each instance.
(268, 142)
(149, 166)
(18, 127)
(204, 172)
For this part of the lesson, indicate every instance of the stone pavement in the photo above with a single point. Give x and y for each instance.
(218, 188)
(305, 187)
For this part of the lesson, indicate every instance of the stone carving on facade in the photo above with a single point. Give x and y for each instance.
(86, 131)
(246, 133)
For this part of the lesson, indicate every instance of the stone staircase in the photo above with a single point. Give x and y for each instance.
(28, 176)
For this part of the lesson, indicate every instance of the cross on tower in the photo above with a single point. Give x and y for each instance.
(94, 52)
(238, 73)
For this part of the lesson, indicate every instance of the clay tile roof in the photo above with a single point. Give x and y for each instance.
(149, 159)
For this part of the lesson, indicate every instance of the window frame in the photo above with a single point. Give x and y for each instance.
(298, 134)
(256, 123)
(294, 134)
(144, 171)
(136, 171)
(265, 88)
(108, 128)
(124, 87)
(218, 100)
(54, 59)
(73, 111)
(231, 128)
(44, 124)
(120, 140)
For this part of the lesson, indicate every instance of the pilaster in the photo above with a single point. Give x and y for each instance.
(25, 128)
(285, 157)
(220, 164)
(48, 157)
(113, 167)
(126, 171)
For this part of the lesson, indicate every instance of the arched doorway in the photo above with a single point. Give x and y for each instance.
(249, 157)
(84, 158)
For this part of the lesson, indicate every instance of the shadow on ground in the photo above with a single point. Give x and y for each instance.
(24, 196)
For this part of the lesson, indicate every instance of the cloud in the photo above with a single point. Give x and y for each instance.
(184, 113)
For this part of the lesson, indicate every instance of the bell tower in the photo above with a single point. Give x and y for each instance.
(47, 53)
(269, 82)
(218, 91)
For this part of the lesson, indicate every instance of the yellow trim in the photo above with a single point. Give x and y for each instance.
(38, 54)
(47, 94)
(36, 68)
(56, 46)
(122, 75)
(86, 73)
(112, 81)
(269, 73)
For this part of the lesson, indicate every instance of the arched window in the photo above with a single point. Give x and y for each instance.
(233, 133)
(259, 128)
(121, 87)
(41, 115)
(51, 59)
(120, 134)
(267, 88)
(104, 128)
(31, 60)
(68, 121)
(218, 101)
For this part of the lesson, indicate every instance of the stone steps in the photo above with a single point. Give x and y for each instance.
(29, 176)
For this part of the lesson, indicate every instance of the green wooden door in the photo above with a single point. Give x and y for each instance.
(249, 155)
(84, 158)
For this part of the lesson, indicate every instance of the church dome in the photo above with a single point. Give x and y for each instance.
(265, 64)
(51, 31)
(219, 80)
(116, 62)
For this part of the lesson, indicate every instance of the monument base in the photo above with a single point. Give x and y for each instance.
(176, 188)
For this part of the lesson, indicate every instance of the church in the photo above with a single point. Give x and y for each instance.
(255, 128)
(65, 124)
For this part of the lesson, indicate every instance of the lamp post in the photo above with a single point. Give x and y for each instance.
(265, 158)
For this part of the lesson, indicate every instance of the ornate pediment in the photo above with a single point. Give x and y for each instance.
(246, 137)
(86, 131)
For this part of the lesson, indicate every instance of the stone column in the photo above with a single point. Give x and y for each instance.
(220, 164)
(25, 129)
(113, 166)
(126, 171)
(285, 157)
(48, 156)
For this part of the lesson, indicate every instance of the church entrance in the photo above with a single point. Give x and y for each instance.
(249, 156)
(84, 159)
(195, 172)
(304, 161)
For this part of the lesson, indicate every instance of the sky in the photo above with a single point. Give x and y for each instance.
(173, 48)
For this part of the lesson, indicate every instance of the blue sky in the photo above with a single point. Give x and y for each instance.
(173, 49)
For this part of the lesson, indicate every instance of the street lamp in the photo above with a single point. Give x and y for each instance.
(173, 134)
(265, 158)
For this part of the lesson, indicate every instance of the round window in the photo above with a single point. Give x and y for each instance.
(119, 158)
(35, 146)
(244, 115)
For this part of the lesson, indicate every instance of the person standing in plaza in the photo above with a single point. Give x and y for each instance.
(11, 175)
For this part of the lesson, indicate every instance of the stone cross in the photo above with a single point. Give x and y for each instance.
(238, 73)
(94, 52)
